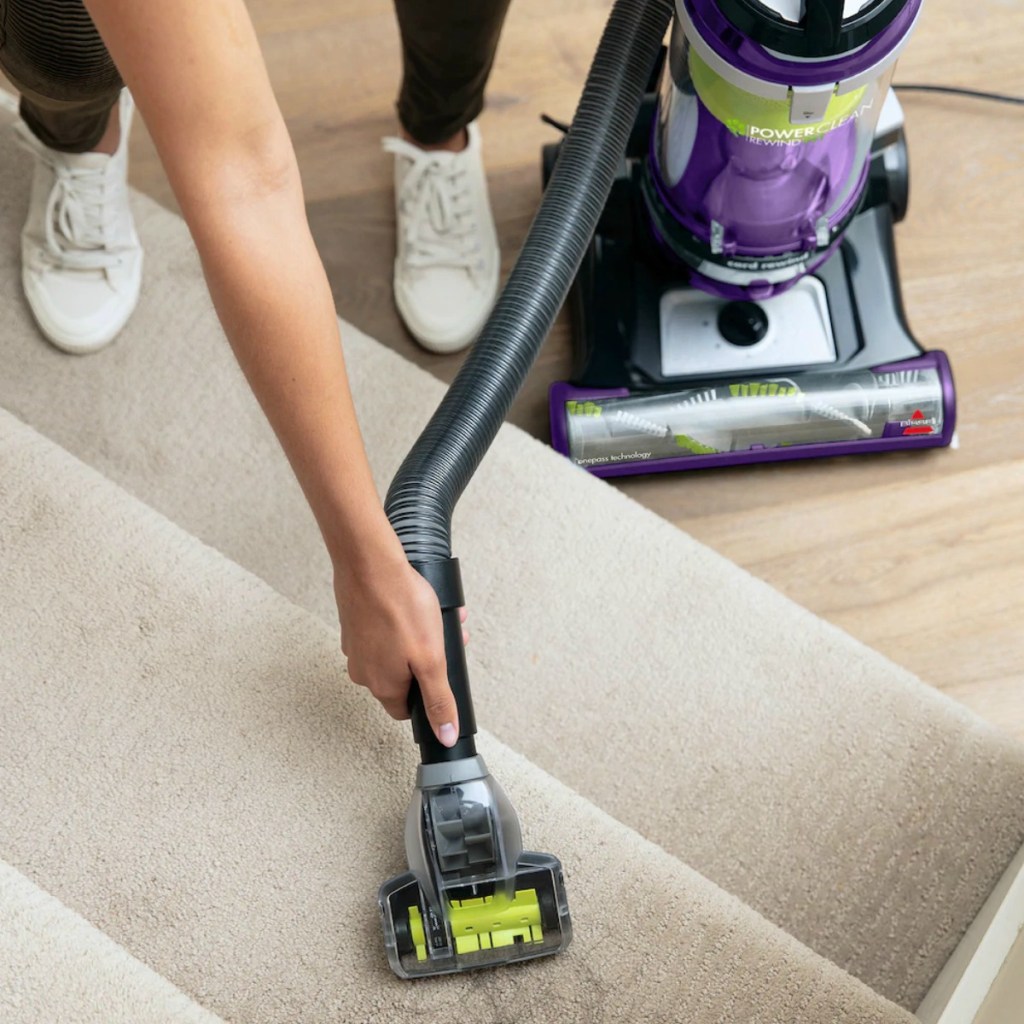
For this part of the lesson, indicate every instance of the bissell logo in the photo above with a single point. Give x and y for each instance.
(919, 424)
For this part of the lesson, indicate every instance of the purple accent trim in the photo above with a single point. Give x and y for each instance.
(829, 450)
(753, 59)
(561, 392)
(758, 289)
(936, 360)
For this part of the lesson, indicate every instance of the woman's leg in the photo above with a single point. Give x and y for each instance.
(81, 258)
(448, 263)
(448, 49)
(54, 56)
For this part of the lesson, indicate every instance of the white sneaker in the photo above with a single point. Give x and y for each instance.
(81, 261)
(446, 270)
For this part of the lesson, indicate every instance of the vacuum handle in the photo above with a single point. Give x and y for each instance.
(445, 578)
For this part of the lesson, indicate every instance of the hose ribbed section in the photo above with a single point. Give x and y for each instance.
(434, 474)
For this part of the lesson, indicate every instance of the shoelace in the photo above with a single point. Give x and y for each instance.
(436, 198)
(79, 216)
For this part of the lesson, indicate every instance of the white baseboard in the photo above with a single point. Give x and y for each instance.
(959, 993)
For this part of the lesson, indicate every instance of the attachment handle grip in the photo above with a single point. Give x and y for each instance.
(444, 576)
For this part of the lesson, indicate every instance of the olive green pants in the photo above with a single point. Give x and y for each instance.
(52, 53)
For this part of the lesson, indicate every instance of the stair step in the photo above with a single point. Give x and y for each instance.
(183, 763)
(837, 795)
(57, 966)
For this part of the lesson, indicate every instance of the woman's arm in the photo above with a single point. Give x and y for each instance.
(198, 78)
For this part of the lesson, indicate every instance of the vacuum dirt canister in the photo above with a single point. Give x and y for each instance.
(766, 117)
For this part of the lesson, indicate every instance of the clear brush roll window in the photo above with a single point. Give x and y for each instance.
(905, 406)
(759, 186)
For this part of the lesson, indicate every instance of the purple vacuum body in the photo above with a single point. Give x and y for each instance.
(740, 301)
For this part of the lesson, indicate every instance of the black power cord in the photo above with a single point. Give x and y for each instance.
(953, 90)
(560, 125)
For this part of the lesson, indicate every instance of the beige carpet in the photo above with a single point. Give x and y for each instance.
(55, 966)
(189, 772)
(175, 756)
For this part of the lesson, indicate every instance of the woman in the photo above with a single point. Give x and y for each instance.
(195, 70)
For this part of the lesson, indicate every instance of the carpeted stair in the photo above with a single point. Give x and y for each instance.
(761, 820)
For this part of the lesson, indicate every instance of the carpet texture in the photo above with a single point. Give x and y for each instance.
(835, 794)
(812, 779)
(55, 966)
(184, 764)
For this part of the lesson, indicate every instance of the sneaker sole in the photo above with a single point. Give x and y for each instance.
(80, 345)
(444, 344)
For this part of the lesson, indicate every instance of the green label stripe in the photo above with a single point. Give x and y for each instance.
(765, 120)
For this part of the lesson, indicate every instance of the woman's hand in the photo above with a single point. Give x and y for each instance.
(391, 632)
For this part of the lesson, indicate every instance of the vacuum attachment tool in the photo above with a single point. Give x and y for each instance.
(472, 897)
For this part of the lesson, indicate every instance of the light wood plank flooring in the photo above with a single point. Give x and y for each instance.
(920, 556)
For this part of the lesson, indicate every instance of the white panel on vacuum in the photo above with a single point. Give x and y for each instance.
(891, 117)
(799, 333)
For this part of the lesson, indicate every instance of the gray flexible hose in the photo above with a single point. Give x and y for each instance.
(422, 497)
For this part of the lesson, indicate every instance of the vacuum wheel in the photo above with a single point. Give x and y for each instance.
(897, 169)
(403, 934)
(549, 916)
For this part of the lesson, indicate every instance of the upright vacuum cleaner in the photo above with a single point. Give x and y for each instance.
(739, 301)
(472, 897)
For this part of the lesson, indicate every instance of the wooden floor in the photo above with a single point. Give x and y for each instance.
(921, 557)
